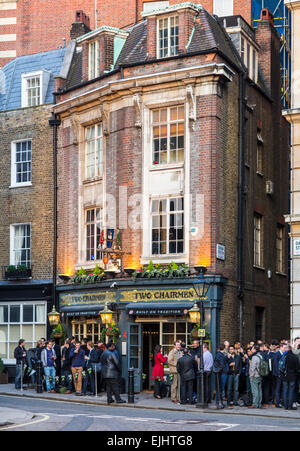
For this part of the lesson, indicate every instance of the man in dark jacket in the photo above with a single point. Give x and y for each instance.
(111, 371)
(235, 369)
(222, 361)
(289, 379)
(187, 369)
(277, 375)
(57, 351)
(66, 367)
(20, 354)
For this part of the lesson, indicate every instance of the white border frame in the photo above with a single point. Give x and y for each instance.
(13, 183)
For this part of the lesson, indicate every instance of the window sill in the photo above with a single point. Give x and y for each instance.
(20, 185)
(259, 267)
(92, 180)
(165, 167)
(281, 274)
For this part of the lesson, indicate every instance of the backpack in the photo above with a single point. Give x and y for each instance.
(263, 368)
(282, 366)
(246, 399)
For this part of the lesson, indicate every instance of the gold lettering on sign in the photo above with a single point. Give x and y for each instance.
(87, 298)
(187, 294)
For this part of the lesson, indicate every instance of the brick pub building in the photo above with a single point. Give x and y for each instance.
(172, 140)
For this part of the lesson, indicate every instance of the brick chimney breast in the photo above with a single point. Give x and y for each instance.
(81, 25)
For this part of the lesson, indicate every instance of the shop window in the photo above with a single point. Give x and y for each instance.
(170, 332)
(168, 135)
(167, 218)
(93, 151)
(168, 36)
(94, 227)
(90, 329)
(22, 320)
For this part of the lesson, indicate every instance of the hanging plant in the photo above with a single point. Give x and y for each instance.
(161, 271)
(88, 276)
(111, 331)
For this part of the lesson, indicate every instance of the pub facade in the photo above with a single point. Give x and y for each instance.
(165, 146)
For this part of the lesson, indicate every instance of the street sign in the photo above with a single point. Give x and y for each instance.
(201, 333)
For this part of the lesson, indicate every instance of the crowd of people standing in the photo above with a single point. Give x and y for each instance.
(78, 367)
(257, 376)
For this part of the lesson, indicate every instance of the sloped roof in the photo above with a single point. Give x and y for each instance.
(11, 76)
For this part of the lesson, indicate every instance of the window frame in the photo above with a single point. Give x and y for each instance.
(44, 77)
(94, 66)
(168, 213)
(258, 228)
(94, 224)
(12, 244)
(21, 323)
(158, 47)
(168, 124)
(96, 166)
(13, 181)
(280, 267)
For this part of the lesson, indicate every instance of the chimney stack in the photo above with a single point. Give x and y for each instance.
(269, 55)
(81, 25)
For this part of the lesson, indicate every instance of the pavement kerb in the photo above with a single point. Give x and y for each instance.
(134, 406)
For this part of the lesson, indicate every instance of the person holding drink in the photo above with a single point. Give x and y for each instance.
(48, 358)
(158, 370)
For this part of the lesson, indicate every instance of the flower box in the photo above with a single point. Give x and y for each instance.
(18, 274)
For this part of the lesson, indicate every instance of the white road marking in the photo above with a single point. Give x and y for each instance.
(46, 417)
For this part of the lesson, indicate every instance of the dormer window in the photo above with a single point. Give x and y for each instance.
(168, 36)
(94, 68)
(34, 88)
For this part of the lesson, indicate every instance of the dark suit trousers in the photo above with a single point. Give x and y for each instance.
(187, 391)
(112, 388)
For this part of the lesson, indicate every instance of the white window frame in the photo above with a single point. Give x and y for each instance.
(95, 232)
(168, 213)
(44, 77)
(169, 18)
(13, 181)
(94, 66)
(8, 361)
(12, 242)
(95, 139)
(258, 240)
(168, 123)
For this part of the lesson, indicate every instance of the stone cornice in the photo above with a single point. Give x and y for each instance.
(292, 4)
(186, 76)
(173, 8)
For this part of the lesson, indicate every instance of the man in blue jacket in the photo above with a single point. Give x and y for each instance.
(77, 355)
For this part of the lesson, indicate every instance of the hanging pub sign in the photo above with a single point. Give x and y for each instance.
(109, 238)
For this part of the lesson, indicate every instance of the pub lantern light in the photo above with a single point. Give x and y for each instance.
(53, 317)
(106, 315)
(194, 314)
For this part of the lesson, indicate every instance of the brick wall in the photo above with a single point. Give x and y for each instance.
(32, 204)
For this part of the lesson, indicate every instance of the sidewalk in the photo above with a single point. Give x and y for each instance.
(14, 416)
(145, 400)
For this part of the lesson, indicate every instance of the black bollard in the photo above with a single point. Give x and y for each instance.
(39, 377)
(131, 386)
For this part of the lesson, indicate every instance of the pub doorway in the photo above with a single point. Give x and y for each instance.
(150, 334)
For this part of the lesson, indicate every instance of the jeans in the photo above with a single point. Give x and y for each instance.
(256, 389)
(224, 378)
(50, 372)
(288, 393)
(233, 388)
(19, 376)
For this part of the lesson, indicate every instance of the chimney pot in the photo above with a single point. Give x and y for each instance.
(267, 15)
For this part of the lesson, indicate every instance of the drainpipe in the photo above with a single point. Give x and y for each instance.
(54, 122)
(241, 200)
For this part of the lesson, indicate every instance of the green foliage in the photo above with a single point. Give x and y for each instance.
(161, 271)
(111, 331)
(88, 276)
(13, 268)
